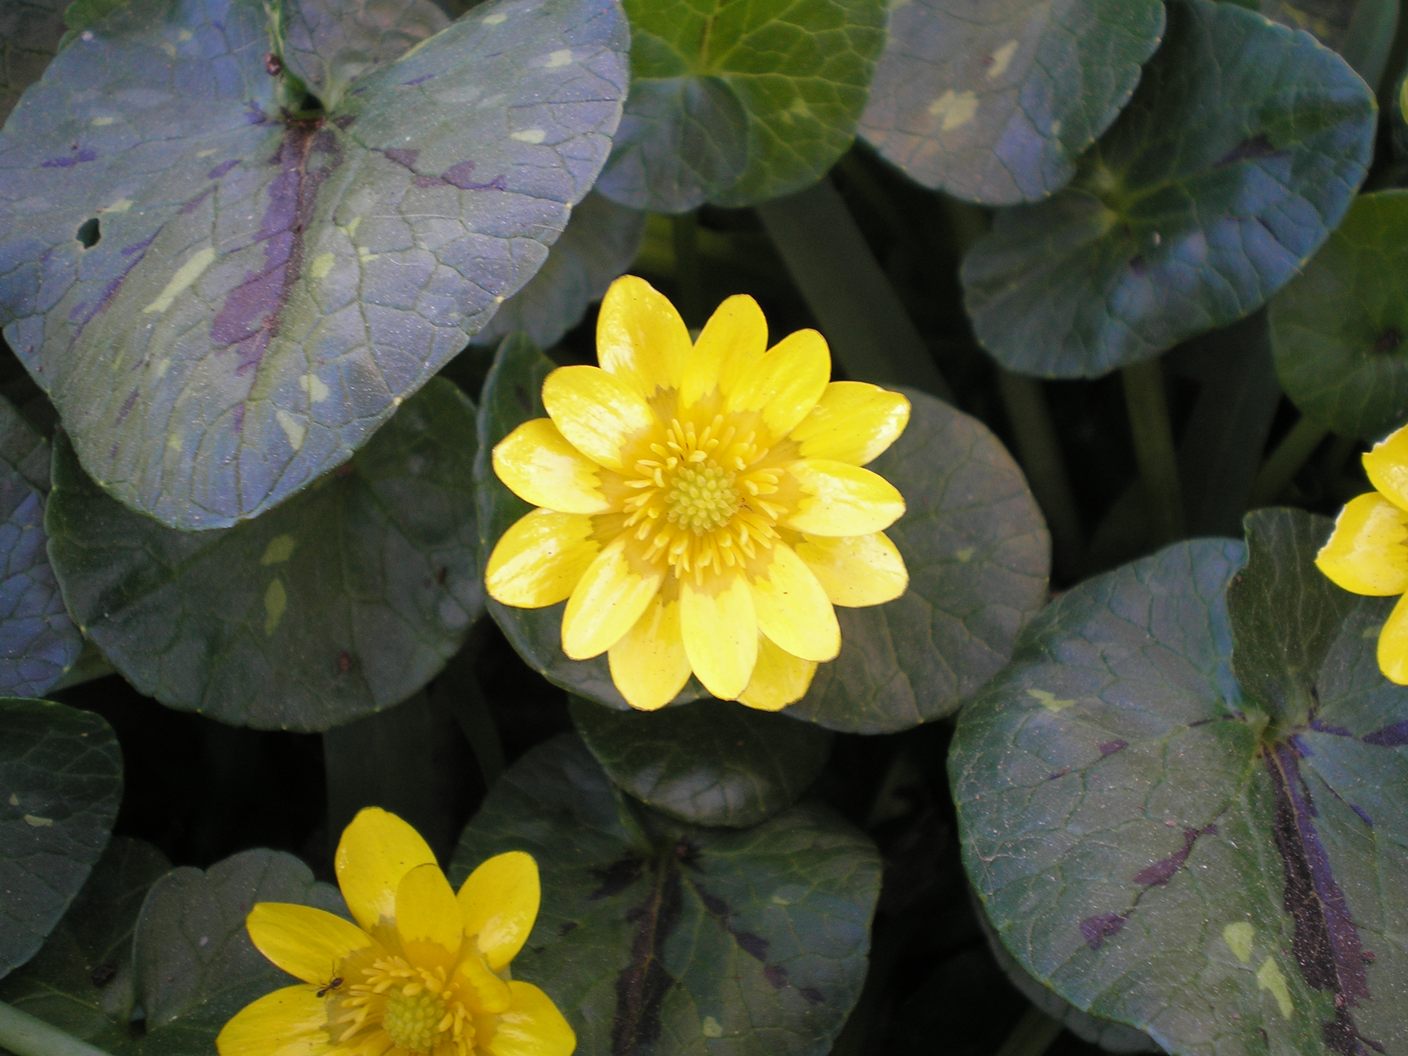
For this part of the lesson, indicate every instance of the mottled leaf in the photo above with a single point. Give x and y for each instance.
(737, 103)
(978, 555)
(60, 783)
(328, 44)
(709, 763)
(1216, 859)
(1237, 155)
(82, 981)
(656, 938)
(224, 301)
(38, 641)
(1339, 330)
(342, 602)
(993, 102)
(30, 31)
(598, 244)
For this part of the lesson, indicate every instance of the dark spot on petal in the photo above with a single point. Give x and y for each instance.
(89, 233)
(1095, 930)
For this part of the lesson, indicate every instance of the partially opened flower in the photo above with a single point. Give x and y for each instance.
(1367, 553)
(702, 506)
(423, 970)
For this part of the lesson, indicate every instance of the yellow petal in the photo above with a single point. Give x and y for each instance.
(601, 416)
(735, 336)
(856, 570)
(499, 903)
(540, 558)
(785, 384)
(531, 1027)
(793, 609)
(289, 1022)
(491, 993)
(538, 465)
(720, 632)
(375, 851)
(609, 598)
(648, 664)
(428, 917)
(306, 942)
(1387, 466)
(779, 679)
(840, 499)
(640, 337)
(853, 422)
(1393, 644)
(1367, 553)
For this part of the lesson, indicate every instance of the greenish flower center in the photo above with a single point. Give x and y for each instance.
(414, 1021)
(702, 496)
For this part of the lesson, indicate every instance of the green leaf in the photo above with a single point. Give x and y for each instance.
(342, 602)
(30, 31)
(328, 44)
(264, 290)
(1360, 30)
(978, 555)
(655, 938)
(1338, 331)
(82, 981)
(1219, 863)
(82, 14)
(709, 763)
(598, 244)
(60, 783)
(38, 641)
(737, 103)
(1237, 155)
(997, 109)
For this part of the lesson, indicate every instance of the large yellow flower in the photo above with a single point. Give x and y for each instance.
(702, 505)
(1367, 553)
(423, 971)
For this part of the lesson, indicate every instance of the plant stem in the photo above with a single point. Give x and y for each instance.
(684, 230)
(1032, 1036)
(1285, 460)
(24, 1035)
(1039, 450)
(1153, 448)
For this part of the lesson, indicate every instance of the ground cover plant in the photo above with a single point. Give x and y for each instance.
(652, 527)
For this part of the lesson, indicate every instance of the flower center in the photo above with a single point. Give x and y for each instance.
(413, 1021)
(701, 497)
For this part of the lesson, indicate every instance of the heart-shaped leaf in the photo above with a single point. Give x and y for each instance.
(224, 300)
(342, 602)
(1236, 157)
(1338, 331)
(30, 31)
(709, 763)
(997, 108)
(738, 103)
(1216, 859)
(655, 938)
(60, 782)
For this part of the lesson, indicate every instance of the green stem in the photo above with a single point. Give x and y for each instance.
(864, 320)
(1039, 450)
(24, 1035)
(1153, 447)
(1032, 1036)
(1285, 461)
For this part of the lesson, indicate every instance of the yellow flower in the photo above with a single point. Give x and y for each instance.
(424, 970)
(1367, 553)
(702, 506)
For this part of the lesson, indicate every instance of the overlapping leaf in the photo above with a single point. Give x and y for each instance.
(1236, 157)
(1338, 331)
(341, 602)
(30, 31)
(60, 782)
(1183, 804)
(709, 763)
(656, 938)
(737, 103)
(223, 300)
(994, 102)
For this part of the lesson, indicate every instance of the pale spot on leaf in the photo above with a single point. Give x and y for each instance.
(119, 206)
(1239, 937)
(1270, 979)
(560, 57)
(1001, 59)
(279, 550)
(1049, 701)
(294, 429)
(38, 822)
(712, 1028)
(965, 555)
(495, 19)
(954, 109)
(529, 135)
(322, 265)
(185, 275)
(315, 387)
(275, 602)
(14, 800)
(102, 122)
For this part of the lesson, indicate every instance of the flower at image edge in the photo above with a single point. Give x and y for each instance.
(701, 506)
(1367, 553)
(423, 970)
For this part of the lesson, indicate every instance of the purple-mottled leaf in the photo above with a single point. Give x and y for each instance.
(1183, 805)
(257, 292)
